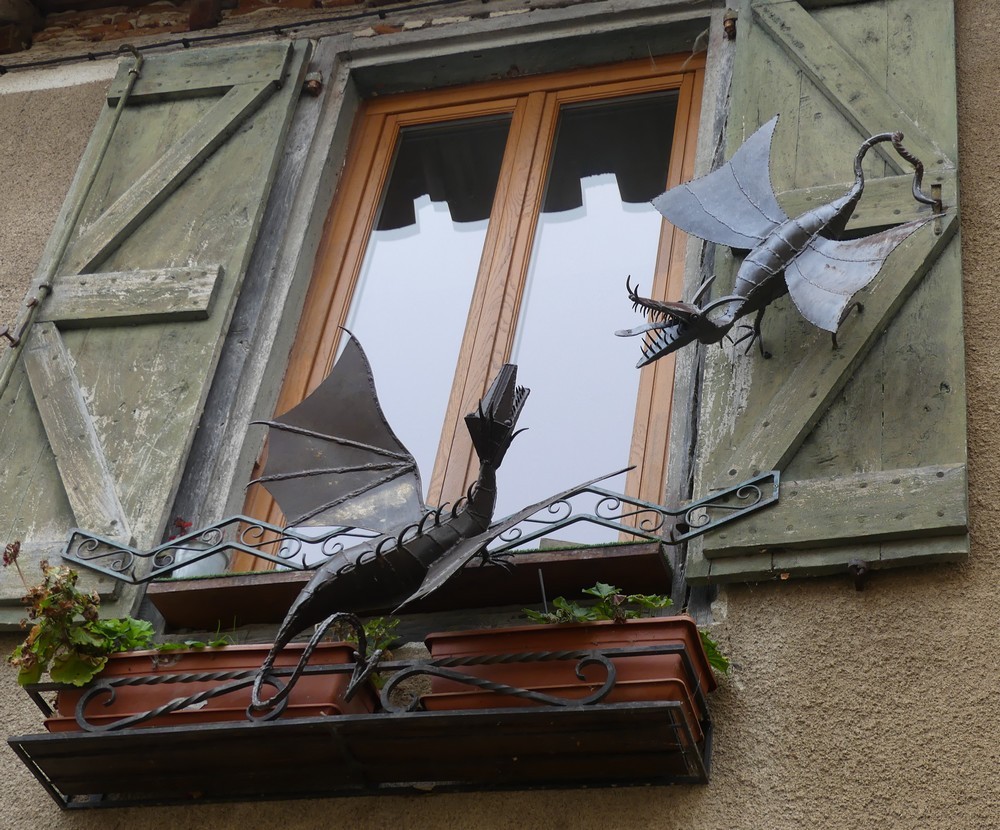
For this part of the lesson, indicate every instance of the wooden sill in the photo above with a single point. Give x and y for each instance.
(232, 600)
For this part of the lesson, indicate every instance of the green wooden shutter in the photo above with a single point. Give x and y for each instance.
(870, 438)
(101, 408)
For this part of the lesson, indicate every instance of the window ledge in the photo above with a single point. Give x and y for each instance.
(237, 599)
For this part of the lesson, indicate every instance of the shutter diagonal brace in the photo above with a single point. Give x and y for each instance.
(83, 467)
(837, 75)
(115, 224)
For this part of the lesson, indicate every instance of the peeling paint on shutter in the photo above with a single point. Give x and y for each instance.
(99, 413)
(870, 438)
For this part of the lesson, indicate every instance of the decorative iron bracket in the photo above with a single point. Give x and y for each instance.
(295, 549)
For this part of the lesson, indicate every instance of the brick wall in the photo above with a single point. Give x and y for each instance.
(142, 23)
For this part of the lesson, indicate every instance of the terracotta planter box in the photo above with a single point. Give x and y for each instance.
(312, 695)
(631, 671)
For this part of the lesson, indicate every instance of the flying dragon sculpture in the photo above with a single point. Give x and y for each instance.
(803, 256)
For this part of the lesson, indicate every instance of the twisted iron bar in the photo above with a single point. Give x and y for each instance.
(441, 668)
(918, 174)
(239, 679)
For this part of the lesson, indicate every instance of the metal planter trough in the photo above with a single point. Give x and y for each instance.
(564, 742)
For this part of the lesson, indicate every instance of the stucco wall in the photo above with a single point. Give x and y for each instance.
(46, 120)
(844, 710)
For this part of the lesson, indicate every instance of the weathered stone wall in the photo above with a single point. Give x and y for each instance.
(844, 710)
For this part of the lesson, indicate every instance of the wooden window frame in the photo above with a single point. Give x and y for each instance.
(534, 104)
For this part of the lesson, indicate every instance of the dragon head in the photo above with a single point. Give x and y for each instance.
(492, 425)
(670, 326)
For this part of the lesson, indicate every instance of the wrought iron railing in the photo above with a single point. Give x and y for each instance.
(305, 549)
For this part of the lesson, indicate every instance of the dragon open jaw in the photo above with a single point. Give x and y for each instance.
(670, 326)
(491, 426)
(661, 338)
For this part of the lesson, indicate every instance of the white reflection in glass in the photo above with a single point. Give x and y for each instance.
(409, 314)
(582, 378)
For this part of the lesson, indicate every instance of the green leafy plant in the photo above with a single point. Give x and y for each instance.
(218, 641)
(380, 633)
(612, 604)
(66, 636)
(717, 660)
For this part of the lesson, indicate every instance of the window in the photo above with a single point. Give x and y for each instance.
(479, 225)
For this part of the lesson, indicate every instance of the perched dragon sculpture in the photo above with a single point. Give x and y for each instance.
(803, 256)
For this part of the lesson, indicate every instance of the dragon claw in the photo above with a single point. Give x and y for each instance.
(500, 558)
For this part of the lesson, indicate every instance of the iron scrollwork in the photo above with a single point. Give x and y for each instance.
(295, 549)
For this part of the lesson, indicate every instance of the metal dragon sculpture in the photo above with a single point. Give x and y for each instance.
(350, 468)
(803, 256)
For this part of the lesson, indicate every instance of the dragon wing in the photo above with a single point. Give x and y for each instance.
(334, 460)
(733, 205)
(452, 562)
(822, 279)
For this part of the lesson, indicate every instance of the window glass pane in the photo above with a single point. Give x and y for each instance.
(597, 227)
(410, 307)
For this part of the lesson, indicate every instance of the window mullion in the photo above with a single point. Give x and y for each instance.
(493, 314)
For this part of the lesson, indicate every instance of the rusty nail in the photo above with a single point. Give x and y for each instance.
(313, 84)
(729, 23)
(13, 338)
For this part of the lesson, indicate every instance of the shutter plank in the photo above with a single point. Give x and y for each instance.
(164, 177)
(198, 73)
(856, 94)
(891, 504)
(131, 297)
(82, 466)
(826, 561)
(33, 502)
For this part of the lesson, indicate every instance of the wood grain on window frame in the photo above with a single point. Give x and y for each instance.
(533, 104)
